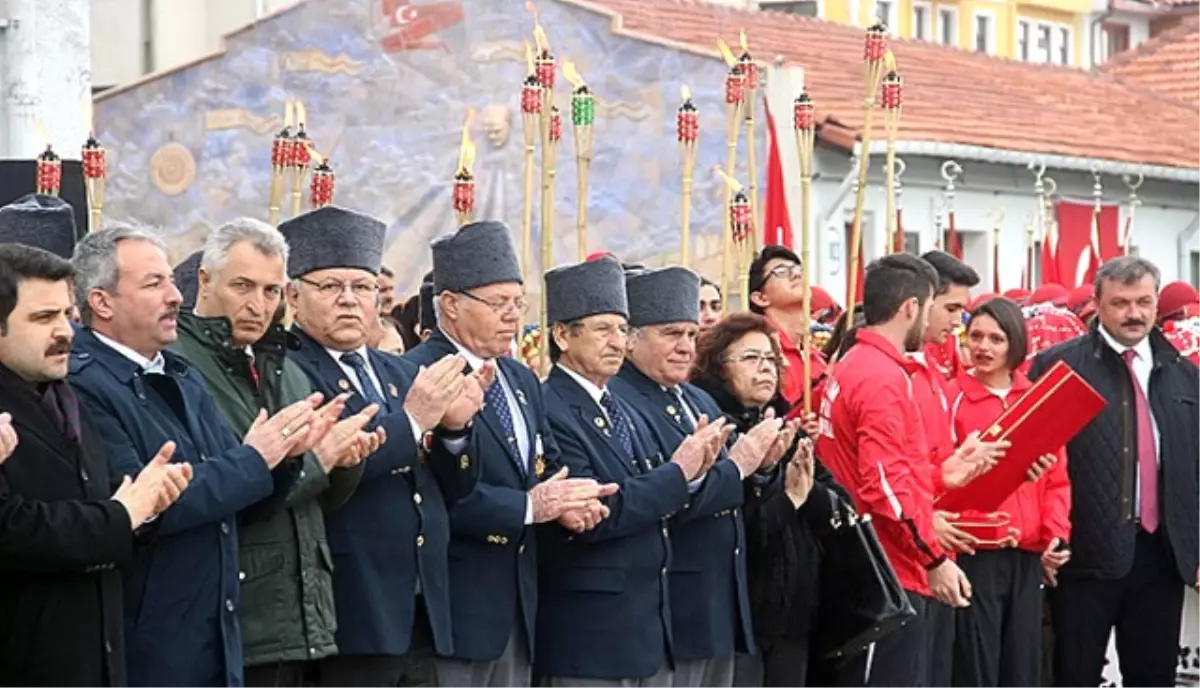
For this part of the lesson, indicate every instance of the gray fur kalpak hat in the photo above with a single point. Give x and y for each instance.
(667, 295)
(333, 237)
(187, 279)
(476, 255)
(45, 222)
(577, 291)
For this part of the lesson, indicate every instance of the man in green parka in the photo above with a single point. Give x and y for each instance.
(287, 612)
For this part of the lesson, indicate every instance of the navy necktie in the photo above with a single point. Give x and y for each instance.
(619, 422)
(356, 361)
(684, 415)
(495, 398)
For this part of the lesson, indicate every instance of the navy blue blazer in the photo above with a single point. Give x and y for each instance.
(493, 554)
(395, 527)
(710, 606)
(181, 594)
(605, 608)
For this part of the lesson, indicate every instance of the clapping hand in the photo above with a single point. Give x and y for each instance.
(8, 437)
(751, 449)
(275, 437)
(159, 484)
(559, 494)
(346, 444)
(799, 477)
(781, 445)
(470, 398)
(322, 422)
(433, 390)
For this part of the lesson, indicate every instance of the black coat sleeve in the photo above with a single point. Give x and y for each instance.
(68, 535)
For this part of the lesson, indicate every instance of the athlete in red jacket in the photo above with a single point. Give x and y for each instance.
(999, 638)
(873, 442)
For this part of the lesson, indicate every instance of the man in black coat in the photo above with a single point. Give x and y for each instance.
(63, 533)
(1134, 490)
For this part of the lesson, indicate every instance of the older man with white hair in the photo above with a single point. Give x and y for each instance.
(287, 613)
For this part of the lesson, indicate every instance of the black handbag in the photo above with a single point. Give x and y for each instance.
(861, 600)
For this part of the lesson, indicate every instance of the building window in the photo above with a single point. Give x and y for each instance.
(1023, 40)
(1064, 45)
(804, 8)
(948, 26)
(1044, 50)
(1114, 39)
(985, 40)
(886, 12)
(912, 243)
(921, 22)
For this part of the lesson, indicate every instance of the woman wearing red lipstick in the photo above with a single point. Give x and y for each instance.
(998, 639)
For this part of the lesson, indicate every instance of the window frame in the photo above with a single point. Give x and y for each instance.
(927, 25)
(940, 32)
(1107, 30)
(1061, 50)
(1046, 57)
(990, 38)
(891, 19)
(1023, 40)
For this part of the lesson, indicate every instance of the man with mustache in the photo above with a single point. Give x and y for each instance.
(182, 593)
(873, 441)
(389, 541)
(710, 606)
(1134, 489)
(493, 548)
(63, 531)
(287, 612)
(586, 634)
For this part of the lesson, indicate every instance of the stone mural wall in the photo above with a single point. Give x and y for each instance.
(386, 84)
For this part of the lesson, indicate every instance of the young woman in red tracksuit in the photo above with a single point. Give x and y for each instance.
(998, 639)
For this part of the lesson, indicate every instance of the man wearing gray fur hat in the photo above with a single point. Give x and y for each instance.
(709, 598)
(586, 635)
(45, 222)
(479, 298)
(390, 540)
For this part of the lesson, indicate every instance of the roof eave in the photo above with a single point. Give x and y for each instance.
(958, 151)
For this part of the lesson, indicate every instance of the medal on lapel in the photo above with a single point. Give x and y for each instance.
(539, 465)
(344, 385)
(393, 391)
(521, 397)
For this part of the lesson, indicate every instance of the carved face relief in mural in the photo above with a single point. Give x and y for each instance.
(497, 122)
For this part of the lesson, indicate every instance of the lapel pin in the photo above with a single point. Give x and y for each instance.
(521, 397)
(539, 467)
(344, 384)
(599, 422)
(671, 410)
(393, 391)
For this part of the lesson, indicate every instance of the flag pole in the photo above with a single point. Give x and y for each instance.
(891, 98)
(750, 85)
(950, 172)
(734, 101)
(874, 50)
(1134, 202)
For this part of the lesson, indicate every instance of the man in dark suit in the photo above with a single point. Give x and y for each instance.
(182, 594)
(389, 541)
(710, 609)
(493, 548)
(1134, 490)
(604, 617)
(63, 532)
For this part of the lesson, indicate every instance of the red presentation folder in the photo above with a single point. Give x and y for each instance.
(1045, 418)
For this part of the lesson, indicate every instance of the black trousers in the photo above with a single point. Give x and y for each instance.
(785, 662)
(940, 630)
(1145, 607)
(293, 674)
(416, 668)
(998, 640)
(900, 659)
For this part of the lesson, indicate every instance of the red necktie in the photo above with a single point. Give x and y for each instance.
(253, 373)
(1147, 456)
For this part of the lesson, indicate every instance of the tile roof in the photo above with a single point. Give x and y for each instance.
(1168, 64)
(950, 95)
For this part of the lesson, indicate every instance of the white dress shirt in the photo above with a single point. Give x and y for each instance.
(590, 387)
(1143, 363)
(520, 428)
(352, 374)
(148, 365)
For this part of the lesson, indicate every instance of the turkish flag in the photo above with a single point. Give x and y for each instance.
(777, 225)
(1085, 240)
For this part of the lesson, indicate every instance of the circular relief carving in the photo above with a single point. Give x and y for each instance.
(172, 169)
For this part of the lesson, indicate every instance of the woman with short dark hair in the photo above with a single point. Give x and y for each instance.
(738, 363)
(998, 639)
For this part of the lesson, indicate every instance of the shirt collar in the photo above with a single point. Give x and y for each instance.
(1142, 348)
(337, 355)
(878, 341)
(588, 386)
(474, 361)
(785, 342)
(154, 365)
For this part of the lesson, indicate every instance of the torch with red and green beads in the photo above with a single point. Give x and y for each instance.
(583, 119)
(95, 171)
(48, 173)
(321, 185)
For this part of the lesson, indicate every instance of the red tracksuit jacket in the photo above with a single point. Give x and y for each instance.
(873, 442)
(1041, 510)
(929, 394)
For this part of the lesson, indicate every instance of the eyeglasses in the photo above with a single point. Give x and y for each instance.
(363, 291)
(784, 271)
(755, 358)
(518, 304)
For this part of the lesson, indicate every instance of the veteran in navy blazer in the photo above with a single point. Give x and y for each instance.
(389, 541)
(710, 607)
(493, 546)
(182, 593)
(605, 616)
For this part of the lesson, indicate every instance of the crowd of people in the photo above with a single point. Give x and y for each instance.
(255, 468)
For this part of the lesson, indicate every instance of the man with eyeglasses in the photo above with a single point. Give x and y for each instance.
(710, 609)
(493, 550)
(777, 292)
(587, 635)
(389, 541)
